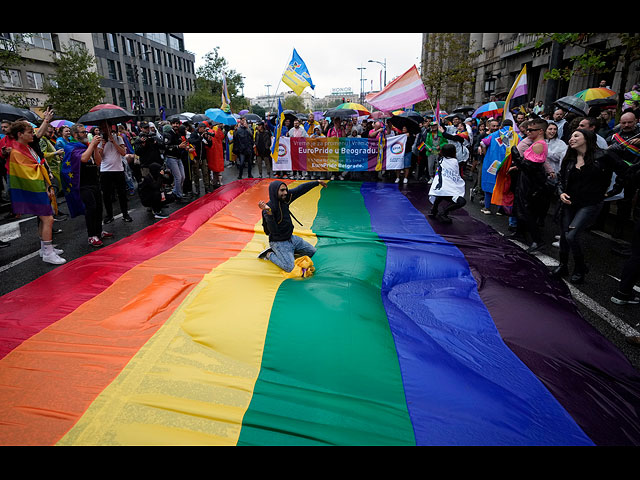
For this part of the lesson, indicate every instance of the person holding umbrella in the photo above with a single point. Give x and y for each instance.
(112, 178)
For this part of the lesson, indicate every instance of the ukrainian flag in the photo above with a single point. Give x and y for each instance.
(297, 74)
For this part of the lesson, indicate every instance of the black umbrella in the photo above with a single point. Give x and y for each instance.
(200, 117)
(9, 112)
(412, 114)
(573, 104)
(603, 102)
(464, 109)
(340, 113)
(400, 121)
(252, 117)
(30, 115)
(113, 115)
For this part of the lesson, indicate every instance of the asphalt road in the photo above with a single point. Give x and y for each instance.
(20, 262)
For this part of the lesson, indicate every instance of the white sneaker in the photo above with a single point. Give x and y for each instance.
(556, 244)
(406, 180)
(57, 251)
(430, 181)
(397, 180)
(557, 237)
(53, 258)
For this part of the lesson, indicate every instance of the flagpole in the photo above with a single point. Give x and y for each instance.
(279, 82)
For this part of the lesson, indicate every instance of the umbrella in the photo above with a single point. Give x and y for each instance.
(61, 123)
(318, 116)
(199, 117)
(31, 116)
(464, 109)
(490, 109)
(354, 106)
(340, 113)
(573, 104)
(252, 117)
(187, 114)
(105, 111)
(9, 112)
(243, 112)
(219, 116)
(603, 103)
(413, 115)
(595, 93)
(399, 121)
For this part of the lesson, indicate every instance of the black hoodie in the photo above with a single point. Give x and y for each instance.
(278, 225)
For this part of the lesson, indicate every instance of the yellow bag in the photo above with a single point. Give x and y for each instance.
(303, 268)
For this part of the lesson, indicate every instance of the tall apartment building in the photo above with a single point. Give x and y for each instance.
(38, 50)
(502, 56)
(149, 74)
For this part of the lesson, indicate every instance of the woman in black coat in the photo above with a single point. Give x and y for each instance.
(583, 180)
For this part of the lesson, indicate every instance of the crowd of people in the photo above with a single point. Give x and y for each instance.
(579, 164)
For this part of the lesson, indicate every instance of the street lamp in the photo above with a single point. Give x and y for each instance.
(361, 80)
(384, 64)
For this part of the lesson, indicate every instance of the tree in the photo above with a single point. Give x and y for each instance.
(595, 59)
(293, 102)
(75, 88)
(208, 88)
(448, 73)
(11, 56)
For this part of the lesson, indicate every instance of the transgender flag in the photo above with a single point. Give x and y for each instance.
(404, 91)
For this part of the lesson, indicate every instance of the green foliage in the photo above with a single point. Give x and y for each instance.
(209, 81)
(293, 102)
(77, 85)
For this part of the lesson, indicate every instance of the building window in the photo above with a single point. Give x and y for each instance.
(110, 42)
(35, 80)
(113, 74)
(39, 40)
(11, 78)
(158, 37)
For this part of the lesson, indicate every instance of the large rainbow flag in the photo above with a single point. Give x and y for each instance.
(408, 333)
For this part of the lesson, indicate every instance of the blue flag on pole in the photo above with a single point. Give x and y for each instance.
(297, 74)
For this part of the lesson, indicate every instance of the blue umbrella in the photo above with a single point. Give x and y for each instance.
(219, 116)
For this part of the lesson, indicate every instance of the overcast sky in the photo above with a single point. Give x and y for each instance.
(332, 59)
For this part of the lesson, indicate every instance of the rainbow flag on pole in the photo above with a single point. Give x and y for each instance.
(408, 333)
(404, 91)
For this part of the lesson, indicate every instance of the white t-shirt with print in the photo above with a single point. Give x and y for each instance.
(111, 158)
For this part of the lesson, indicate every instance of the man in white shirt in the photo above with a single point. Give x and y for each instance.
(112, 177)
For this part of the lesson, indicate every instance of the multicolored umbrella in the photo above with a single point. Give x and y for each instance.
(354, 106)
(409, 332)
(491, 109)
(595, 93)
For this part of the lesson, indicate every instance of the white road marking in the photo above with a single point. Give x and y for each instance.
(613, 320)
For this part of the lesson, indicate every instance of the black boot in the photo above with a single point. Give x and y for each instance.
(579, 271)
(561, 270)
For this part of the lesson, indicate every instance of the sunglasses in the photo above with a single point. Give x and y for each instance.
(533, 129)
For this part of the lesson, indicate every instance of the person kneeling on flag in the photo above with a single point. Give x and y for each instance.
(448, 185)
(277, 224)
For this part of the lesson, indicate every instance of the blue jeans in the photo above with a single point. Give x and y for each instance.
(177, 170)
(283, 252)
